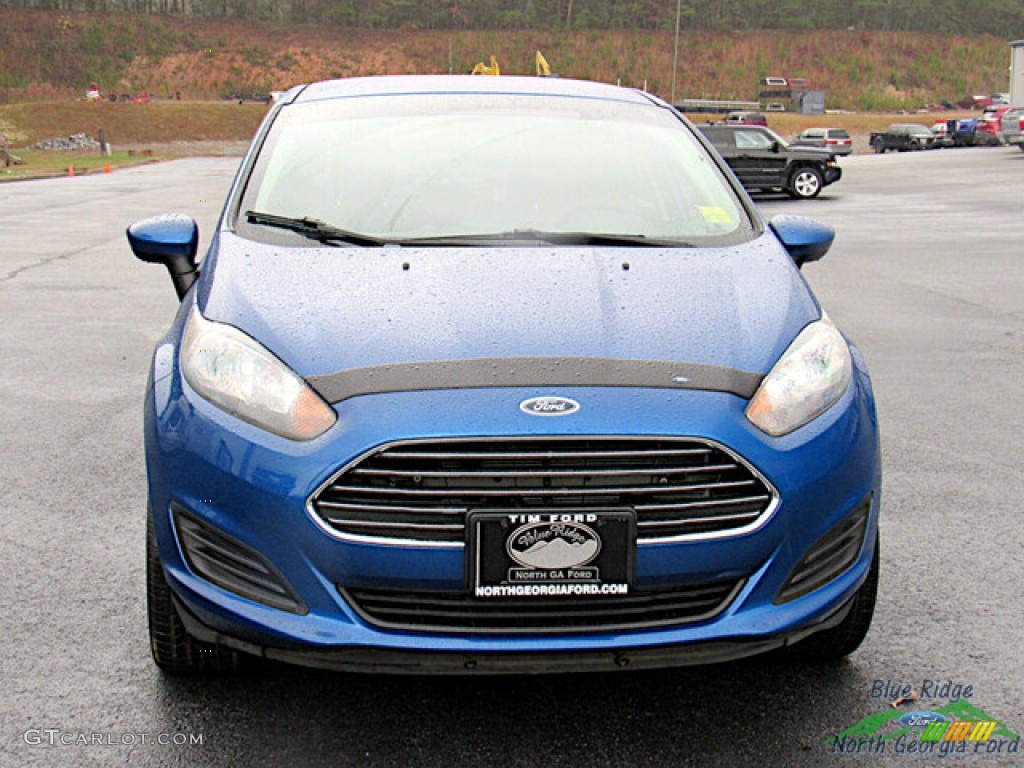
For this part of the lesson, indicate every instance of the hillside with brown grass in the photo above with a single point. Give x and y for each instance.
(54, 55)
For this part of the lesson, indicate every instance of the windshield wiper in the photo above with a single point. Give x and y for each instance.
(552, 238)
(314, 229)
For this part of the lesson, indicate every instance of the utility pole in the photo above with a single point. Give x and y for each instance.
(675, 54)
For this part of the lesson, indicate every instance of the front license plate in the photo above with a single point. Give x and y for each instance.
(551, 554)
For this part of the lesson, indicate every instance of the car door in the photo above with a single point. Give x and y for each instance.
(901, 137)
(761, 158)
(744, 165)
(723, 139)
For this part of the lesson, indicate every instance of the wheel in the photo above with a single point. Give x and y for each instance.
(174, 650)
(879, 147)
(914, 145)
(805, 183)
(844, 639)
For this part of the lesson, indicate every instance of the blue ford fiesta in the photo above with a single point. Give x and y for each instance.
(500, 375)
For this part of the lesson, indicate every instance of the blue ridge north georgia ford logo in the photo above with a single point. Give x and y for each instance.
(549, 406)
(553, 545)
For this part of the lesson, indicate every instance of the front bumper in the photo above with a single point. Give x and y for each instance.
(372, 660)
(254, 487)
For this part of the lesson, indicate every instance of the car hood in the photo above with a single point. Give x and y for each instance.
(809, 152)
(329, 310)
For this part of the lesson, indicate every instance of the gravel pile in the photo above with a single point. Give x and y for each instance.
(79, 142)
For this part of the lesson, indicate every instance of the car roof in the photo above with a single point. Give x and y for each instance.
(393, 85)
(731, 127)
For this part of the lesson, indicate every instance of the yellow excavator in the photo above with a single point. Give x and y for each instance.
(483, 69)
(543, 69)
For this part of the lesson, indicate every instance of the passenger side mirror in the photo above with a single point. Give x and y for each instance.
(171, 240)
(776, 147)
(805, 239)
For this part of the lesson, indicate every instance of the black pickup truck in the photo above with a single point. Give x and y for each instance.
(902, 137)
(763, 161)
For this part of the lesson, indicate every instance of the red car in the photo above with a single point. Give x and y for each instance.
(745, 118)
(988, 123)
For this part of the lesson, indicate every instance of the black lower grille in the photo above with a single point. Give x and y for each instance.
(829, 557)
(422, 491)
(462, 613)
(231, 565)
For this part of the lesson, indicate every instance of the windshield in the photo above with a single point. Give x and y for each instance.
(415, 167)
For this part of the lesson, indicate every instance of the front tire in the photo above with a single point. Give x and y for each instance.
(174, 650)
(805, 183)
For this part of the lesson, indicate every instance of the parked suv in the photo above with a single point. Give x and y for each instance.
(762, 160)
(835, 140)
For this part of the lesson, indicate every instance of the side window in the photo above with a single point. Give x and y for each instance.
(721, 139)
(752, 140)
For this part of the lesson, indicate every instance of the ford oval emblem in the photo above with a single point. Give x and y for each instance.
(549, 406)
(921, 719)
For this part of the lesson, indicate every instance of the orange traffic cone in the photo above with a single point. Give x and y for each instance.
(106, 167)
(71, 170)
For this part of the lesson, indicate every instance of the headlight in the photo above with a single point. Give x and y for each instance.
(806, 381)
(234, 372)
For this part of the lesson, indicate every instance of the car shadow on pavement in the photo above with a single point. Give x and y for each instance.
(716, 715)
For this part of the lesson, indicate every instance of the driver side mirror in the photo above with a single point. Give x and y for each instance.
(171, 240)
(805, 239)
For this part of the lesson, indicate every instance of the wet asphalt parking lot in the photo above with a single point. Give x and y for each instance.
(927, 276)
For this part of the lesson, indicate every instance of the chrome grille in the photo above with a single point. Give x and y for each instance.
(458, 612)
(422, 491)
